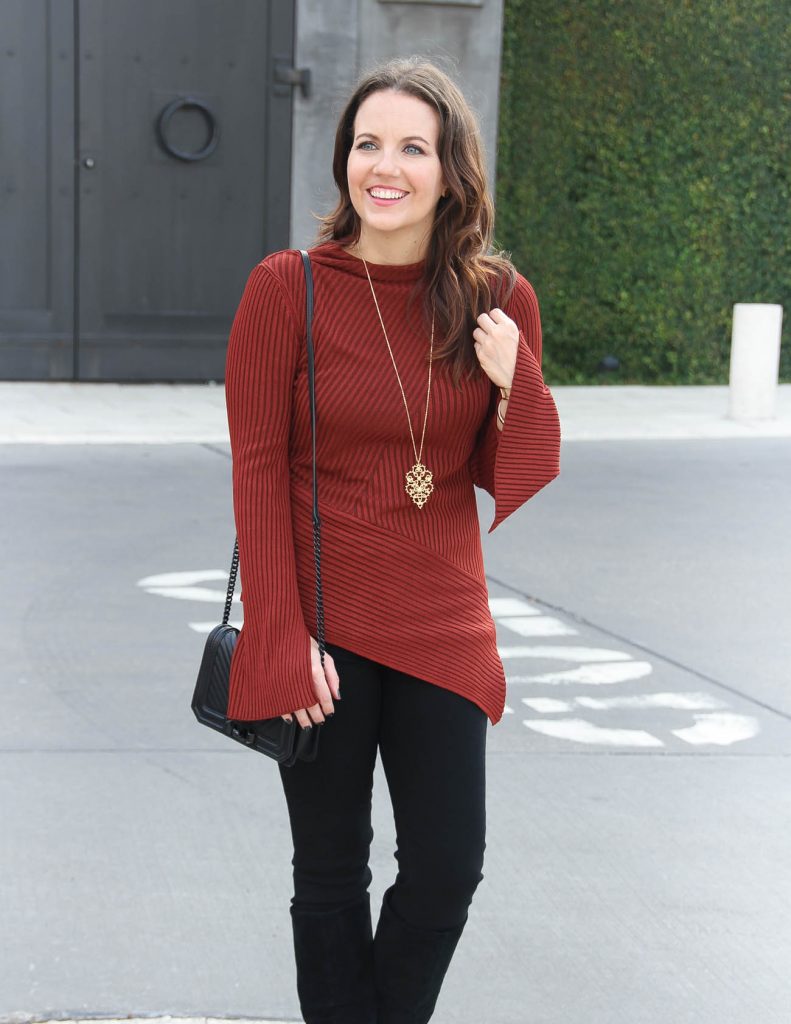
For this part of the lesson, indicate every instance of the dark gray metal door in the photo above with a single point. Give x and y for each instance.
(180, 159)
(36, 190)
(184, 165)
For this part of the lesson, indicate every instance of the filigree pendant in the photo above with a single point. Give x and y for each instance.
(419, 484)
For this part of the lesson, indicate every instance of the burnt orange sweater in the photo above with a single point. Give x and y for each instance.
(404, 586)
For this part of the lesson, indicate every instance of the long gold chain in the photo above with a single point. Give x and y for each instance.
(419, 479)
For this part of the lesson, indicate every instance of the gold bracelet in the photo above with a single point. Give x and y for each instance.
(500, 418)
(505, 392)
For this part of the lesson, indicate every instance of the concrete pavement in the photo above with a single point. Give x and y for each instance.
(83, 413)
(637, 856)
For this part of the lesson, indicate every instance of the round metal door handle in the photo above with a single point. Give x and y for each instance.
(89, 162)
(186, 103)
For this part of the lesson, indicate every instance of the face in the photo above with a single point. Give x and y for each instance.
(393, 168)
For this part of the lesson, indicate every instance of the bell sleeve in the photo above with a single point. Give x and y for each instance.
(514, 463)
(270, 671)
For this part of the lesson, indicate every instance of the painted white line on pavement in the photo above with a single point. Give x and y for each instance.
(581, 731)
(160, 1020)
(190, 594)
(183, 579)
(721, 728)
(564, 653)
(511, 606)
(591, 675)
(178, 585)
(207, 627)
(537, 625)
(682, 701)
(548, 705)
(604, 667)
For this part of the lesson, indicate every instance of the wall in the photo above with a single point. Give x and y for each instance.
(339, 39)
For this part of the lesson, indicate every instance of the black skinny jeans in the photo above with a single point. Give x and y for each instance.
(433, 744)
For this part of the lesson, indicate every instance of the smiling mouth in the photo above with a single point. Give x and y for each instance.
(386, 194)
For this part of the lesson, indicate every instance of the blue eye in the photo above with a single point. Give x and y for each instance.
(409, 145)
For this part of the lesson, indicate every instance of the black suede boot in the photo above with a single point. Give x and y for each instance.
(333, 949)
(409, 967)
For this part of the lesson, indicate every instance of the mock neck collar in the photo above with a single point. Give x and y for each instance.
(332, 254)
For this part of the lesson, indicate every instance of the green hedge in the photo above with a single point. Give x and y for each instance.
(643, 178)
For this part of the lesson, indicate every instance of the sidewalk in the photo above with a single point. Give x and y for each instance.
(67, 413)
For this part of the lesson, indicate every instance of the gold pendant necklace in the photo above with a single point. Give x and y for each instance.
(419, 479)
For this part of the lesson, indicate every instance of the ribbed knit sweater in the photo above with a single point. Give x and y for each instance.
(402, 585)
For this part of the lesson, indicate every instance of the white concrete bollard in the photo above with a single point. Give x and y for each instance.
(755, 360)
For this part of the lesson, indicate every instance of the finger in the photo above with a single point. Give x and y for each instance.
(323, 690)
(333, 679)
(316, 714)
(479, 335)
(486, 322)
(287, 718)
(302, 718)
(497, 315)
(320, 680)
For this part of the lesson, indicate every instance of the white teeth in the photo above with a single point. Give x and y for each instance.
(386, 193)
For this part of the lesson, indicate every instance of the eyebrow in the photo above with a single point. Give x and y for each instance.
(405, 138)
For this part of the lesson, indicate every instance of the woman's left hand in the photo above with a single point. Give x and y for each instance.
(496, 346)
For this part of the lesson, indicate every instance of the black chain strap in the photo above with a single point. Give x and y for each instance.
(316, 519)
(231, 583)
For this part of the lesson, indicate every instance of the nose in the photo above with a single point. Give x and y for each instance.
(386, 164)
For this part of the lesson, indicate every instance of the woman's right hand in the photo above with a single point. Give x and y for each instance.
(326, 684)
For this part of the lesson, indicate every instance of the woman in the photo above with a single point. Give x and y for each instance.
(428, 382)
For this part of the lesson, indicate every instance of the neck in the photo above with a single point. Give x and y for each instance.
(376, 247)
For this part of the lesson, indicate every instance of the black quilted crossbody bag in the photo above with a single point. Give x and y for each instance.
(286, 742)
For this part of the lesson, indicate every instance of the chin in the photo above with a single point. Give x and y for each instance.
(386, 221)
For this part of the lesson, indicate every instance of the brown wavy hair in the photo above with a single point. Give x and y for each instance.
(464, 275)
